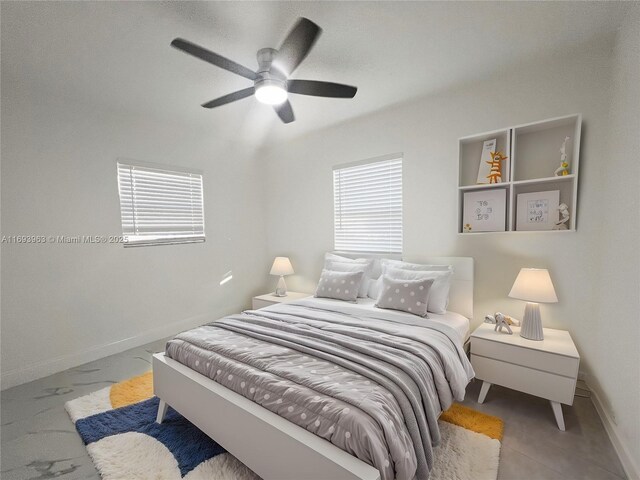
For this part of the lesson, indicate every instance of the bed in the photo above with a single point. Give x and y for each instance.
(323, 389)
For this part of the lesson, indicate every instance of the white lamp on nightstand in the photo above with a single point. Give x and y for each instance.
(534, 286)
(281, 266)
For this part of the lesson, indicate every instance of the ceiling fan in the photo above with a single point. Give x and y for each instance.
(271, 82)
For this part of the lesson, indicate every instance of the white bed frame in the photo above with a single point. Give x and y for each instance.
(271, 446)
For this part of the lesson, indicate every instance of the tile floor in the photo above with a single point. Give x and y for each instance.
(38, 441)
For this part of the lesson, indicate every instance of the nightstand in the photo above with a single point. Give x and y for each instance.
(262, 301)
(546, 368)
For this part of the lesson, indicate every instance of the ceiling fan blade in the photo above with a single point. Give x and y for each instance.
(232, 97)
(321, 89)
(213, 58)
(285, 112)
(296, 46)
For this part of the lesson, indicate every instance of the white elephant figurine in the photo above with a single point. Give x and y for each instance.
(501, 322)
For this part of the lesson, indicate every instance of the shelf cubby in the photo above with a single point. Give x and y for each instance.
(536, 147)
(471, 151)
(564, 185)
(534, 155)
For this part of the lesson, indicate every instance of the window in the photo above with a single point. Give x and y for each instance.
(367, 200)
(160, 205)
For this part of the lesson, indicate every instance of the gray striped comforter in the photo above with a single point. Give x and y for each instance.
(369, 383)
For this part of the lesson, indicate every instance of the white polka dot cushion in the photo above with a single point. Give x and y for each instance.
(410, 296)
(339, 285)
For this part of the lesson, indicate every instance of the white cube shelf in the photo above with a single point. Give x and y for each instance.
(534, 155)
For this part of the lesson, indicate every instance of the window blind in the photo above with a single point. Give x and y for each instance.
(159, 205)
(367, 199)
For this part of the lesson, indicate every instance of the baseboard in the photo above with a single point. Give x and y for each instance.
(35, 371)
(626, 458)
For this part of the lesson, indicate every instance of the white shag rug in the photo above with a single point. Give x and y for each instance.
(465, 455)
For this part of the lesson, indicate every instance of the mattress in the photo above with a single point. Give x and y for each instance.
(371, 381)
(459, 323)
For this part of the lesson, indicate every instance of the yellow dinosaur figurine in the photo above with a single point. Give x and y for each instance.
(495, 174)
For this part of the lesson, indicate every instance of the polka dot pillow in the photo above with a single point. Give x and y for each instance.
(339, 285)
(410, 296)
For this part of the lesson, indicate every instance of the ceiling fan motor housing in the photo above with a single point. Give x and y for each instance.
(266, 75)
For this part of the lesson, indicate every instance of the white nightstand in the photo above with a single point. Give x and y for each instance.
(262, 301)
(546, 368)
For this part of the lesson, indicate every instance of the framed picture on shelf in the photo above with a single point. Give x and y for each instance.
(484, 211)
(537, 210)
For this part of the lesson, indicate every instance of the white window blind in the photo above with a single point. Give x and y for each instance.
(159, 205)
(367, 199)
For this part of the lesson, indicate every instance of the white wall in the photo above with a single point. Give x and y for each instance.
(67, 304)
(615, 362)
(300, 213)
(300, 200)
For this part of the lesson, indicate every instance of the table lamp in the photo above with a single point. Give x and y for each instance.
(534, 286)
(281, 266)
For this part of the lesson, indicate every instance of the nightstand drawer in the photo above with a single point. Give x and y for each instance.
(549, 362)
(528, 380)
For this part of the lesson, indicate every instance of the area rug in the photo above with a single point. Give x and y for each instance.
(117, 425)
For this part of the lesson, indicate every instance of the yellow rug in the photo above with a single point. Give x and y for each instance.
(465, 417)
(132, 391)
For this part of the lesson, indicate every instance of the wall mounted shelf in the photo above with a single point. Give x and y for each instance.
(534, 154)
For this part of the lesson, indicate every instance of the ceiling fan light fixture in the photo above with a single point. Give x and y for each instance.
(271, 94)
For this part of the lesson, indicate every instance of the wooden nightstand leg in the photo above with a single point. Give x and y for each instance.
(483, 391)
(557, 412)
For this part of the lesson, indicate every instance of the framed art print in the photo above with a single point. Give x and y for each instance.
(537, 210)
(484, 211)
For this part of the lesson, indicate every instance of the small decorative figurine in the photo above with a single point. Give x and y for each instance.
(495, 174)
(501, 322)
(564, 217)
(563, 169)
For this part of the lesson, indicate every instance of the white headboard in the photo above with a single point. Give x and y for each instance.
(461, 293)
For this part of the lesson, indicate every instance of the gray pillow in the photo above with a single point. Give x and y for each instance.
(339, 285)
(410, 296)
(350, 267)
(439, 293)
(345, 264)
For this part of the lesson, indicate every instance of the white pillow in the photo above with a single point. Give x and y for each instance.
(331, 259)
(376, 285)
(439, 295)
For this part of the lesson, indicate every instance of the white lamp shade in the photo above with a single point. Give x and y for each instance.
(281, 266)
(534, 285)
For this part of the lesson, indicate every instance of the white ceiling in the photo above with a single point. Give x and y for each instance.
(117, 54)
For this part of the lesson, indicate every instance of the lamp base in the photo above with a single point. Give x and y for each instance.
(532, 323)
(281, 289)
